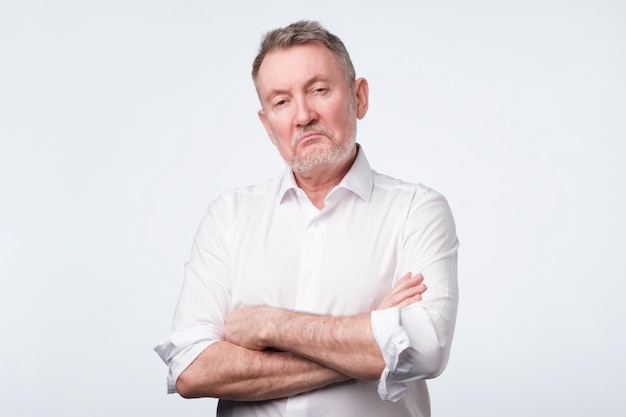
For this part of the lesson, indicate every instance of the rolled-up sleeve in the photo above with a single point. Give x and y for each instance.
(415, 341)
(204, 299)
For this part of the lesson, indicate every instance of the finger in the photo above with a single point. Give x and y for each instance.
(405, 288)
(407, 281)
(412, 283)
(412, 279)
(407, 275)
(409, 301)
(419, 278)
(408, 293)
(404, 279)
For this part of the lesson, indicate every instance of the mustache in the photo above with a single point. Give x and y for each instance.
(308, 129)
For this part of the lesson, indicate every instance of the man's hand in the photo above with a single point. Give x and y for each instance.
(244, 326)
(408, 290)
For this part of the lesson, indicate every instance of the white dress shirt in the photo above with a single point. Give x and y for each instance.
(268, 245)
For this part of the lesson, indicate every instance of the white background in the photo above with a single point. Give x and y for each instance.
(121, 120)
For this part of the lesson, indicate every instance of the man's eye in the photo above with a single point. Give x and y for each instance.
(280, 103)
(320, 89)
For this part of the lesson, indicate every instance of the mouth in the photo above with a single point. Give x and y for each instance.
(309, 136)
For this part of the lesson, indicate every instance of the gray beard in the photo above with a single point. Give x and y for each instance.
(336, 154)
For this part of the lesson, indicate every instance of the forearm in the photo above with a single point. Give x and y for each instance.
(346, 344)
(224, 370)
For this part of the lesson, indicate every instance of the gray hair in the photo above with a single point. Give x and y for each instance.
(299, 33)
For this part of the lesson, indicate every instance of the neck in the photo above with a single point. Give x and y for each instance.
(319, 181)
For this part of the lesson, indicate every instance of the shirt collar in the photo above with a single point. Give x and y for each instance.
(359, 179)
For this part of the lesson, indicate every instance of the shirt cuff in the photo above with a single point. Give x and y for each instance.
(396, 349)
(180, 348)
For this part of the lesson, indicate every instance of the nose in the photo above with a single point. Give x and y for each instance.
(305, 113)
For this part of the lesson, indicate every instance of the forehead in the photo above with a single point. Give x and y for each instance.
(283, 68)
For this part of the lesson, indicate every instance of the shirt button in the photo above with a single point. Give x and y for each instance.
(316, 224)
(308, 274)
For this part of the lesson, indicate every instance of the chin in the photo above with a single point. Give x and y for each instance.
(312, 160)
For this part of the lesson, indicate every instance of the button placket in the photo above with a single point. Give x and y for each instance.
(310, 258)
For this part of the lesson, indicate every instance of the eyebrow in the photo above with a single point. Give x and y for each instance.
(278, 91)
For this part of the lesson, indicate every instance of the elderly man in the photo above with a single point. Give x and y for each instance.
(330, 291)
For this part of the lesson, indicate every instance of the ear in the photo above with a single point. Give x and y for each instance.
(361, 92)
(266, 125)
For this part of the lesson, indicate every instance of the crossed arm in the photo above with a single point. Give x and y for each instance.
(272, 353)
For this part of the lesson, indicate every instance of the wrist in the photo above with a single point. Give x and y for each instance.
(268, 321)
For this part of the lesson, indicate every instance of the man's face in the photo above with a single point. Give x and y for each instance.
(308, 110)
